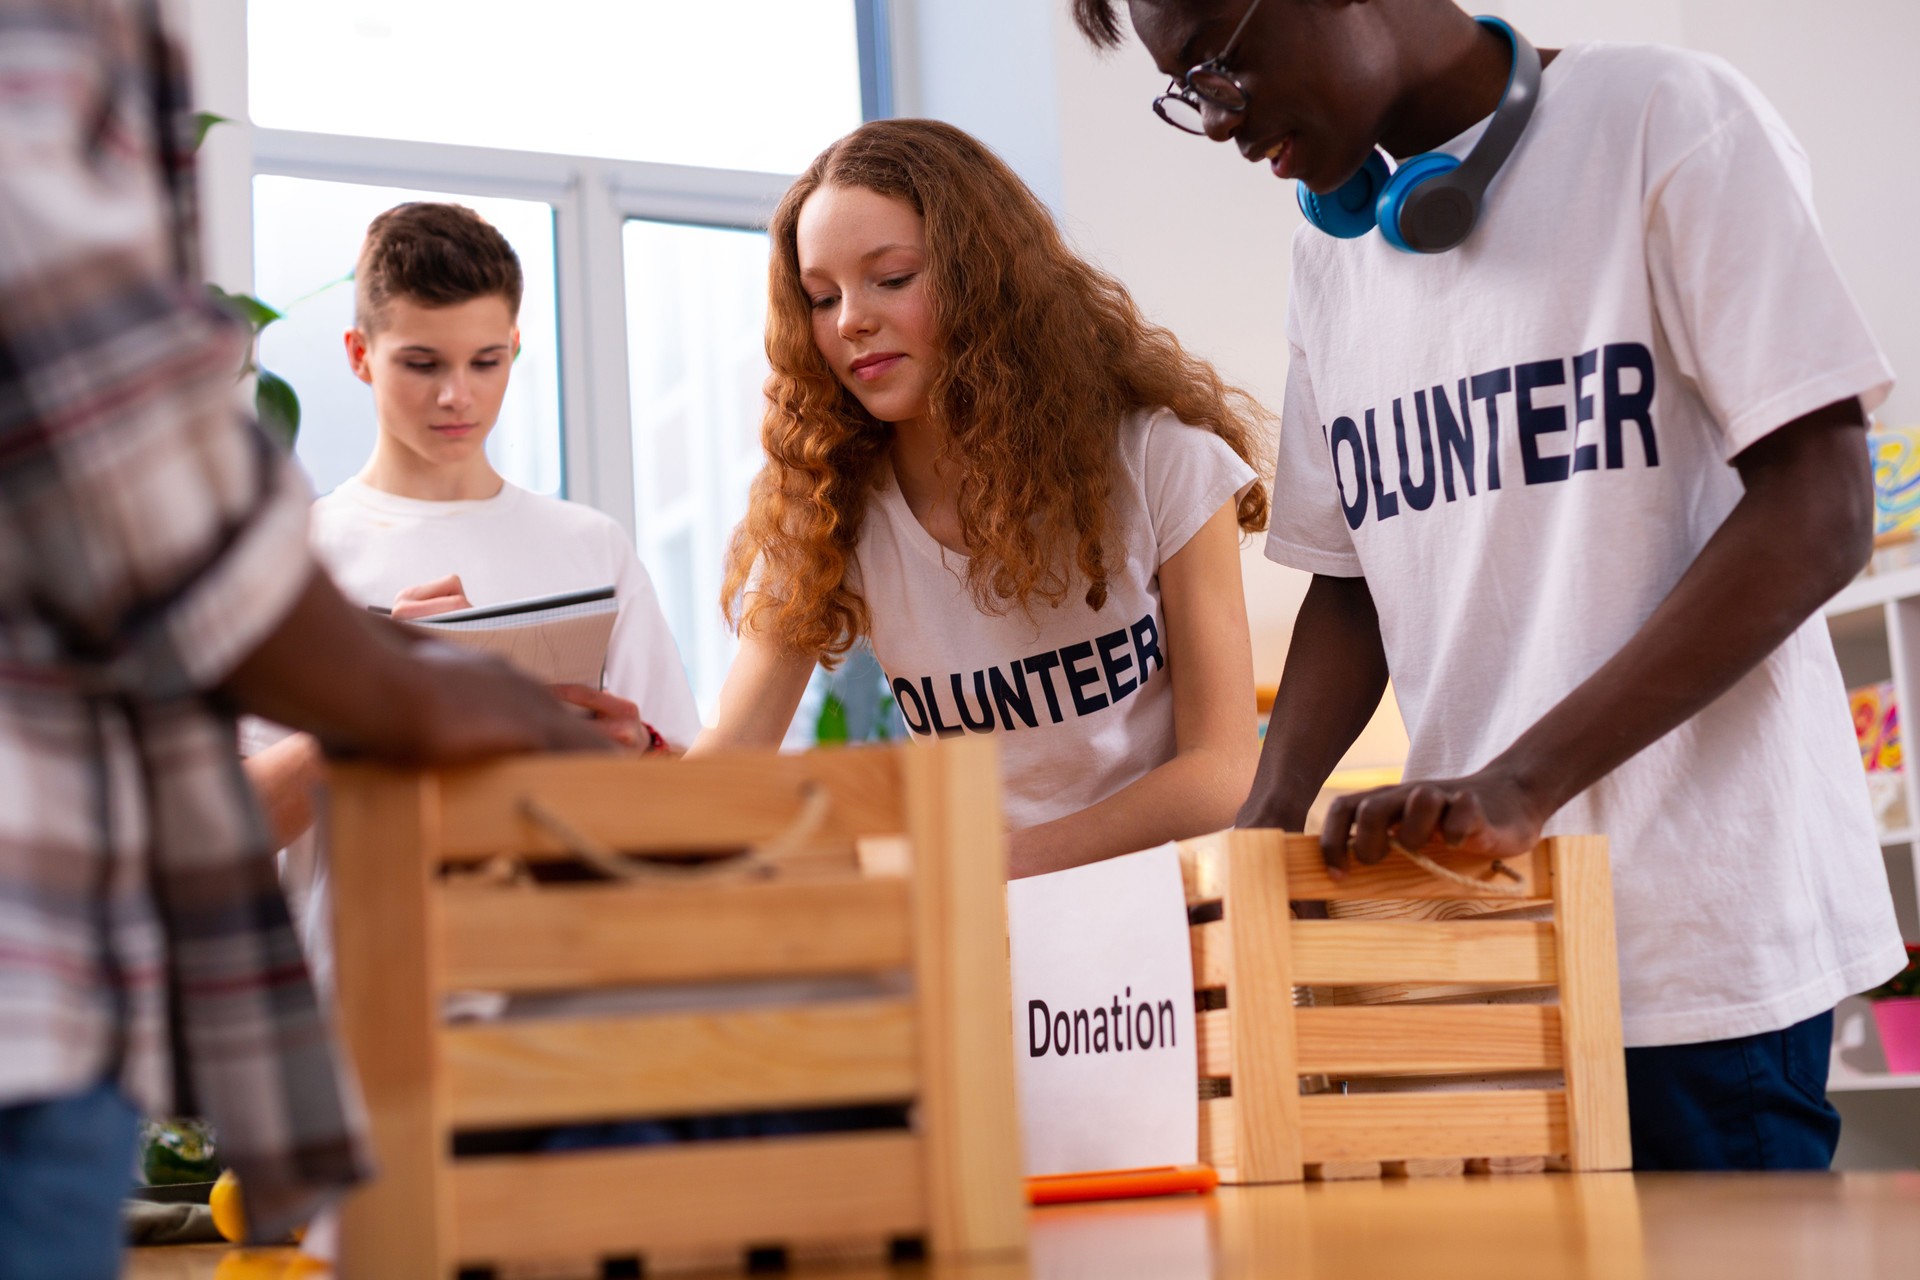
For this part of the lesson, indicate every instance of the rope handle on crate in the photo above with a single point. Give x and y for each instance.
(1432, 868)
(816, 802)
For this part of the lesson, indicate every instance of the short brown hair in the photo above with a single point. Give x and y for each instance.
(438, 255)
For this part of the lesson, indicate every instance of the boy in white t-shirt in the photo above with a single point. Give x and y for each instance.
(1580, 485)
(428, 525)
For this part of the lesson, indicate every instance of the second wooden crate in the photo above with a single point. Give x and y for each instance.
(1261, 1123)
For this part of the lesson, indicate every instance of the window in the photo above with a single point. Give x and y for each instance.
(696, 309)
(745, 84)
(630, 152)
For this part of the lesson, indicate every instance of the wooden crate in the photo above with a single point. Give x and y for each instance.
(410, 928)
(1410, 1008)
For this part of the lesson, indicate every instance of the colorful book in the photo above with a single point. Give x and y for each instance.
(1876, 725)
(1896, 480)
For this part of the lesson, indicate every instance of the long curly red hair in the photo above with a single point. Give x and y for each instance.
(1044, 357)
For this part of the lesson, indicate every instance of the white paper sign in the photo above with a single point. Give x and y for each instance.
(1103, 1016)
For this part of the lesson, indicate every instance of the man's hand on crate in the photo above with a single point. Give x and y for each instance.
(1487, 813)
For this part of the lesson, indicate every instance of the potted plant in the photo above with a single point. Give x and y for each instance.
(1896, 1012)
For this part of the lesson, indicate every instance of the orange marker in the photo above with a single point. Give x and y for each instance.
(1122, 1184)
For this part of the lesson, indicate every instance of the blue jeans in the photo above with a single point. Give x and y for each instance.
(65, 1166)
(1758, 1102)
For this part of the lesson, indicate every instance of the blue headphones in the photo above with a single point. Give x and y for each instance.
(1431, 203)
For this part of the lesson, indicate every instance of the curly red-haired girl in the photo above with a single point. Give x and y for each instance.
(1026, 498)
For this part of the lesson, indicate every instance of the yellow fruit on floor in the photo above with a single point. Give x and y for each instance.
(224, 1200)
(270, 1264)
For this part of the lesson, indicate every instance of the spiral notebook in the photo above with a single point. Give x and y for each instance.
(557, 639)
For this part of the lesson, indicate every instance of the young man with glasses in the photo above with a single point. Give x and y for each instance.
(1580, 485)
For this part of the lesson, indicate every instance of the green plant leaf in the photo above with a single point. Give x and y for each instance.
(278, 408)
(831, 726)
(244, 307)
(203, 121)
(331, 284)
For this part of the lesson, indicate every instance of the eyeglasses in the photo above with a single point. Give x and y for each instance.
(1183, 105)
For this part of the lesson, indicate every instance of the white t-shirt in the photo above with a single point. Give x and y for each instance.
(513, 546)
(1523, 444)
(1079, 701)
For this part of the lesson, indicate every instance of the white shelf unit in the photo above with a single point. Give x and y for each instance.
(1867, 1082)
(1875, 625)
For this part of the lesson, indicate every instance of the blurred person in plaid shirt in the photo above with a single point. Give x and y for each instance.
(154, 582)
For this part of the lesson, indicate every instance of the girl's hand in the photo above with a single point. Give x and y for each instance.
(1487, 813)
(442, 595)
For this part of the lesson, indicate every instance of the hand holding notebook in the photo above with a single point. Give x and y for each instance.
(557, 639)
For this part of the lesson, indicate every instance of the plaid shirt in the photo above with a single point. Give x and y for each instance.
(150, 538)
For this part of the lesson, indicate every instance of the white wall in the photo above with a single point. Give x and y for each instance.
(1201, 237)
(1843, 74)
(987, 66)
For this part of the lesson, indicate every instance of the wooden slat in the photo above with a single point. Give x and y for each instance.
(1219, 1122)
(1590, 1004)
(1200, 866)
(787, 1191)
(1427, 992)
(726, 1258)
(1440, 908)
(1428, 1039)
(381, 826)
(1260, 992)
(527, 939)
(1404, 1039)
(717, 802)
(569, 1268)
(1506, 1166)
(549, 1071)
(1345, 1171)
(869, 1254)
(1209, 954)
(1220, 1127)
(1350, 951)
(1446, 1168)
(976, 1199)
(1213, 1030)
(1307, 877)
(1425, 1125)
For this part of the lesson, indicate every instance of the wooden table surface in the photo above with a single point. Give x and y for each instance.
(1611, 1226)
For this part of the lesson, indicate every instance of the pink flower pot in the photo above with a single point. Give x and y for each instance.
(1899, 1023)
